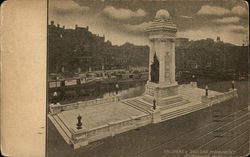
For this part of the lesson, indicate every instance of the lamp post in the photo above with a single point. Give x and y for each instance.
(206, 88)
(54, 98)
(193, 77)
(232, 84)
(116, 88)
(57, 78)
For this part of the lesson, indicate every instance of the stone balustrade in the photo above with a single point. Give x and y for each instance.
(117, 127)
(83, 137)
(219, 98)
(133, 122)
(57, 108)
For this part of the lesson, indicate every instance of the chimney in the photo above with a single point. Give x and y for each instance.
(58, 25)
(87, 28)
(52, 22)
(76, 26)
(63, 27)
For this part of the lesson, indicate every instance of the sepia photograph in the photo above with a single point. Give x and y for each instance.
(147, 78)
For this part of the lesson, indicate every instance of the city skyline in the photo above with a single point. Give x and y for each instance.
(126, 21)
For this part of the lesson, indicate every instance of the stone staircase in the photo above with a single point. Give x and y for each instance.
(172, 105)
(139, 105)
(182, 111)
(61, 127)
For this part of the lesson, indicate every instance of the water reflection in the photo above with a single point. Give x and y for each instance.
(97, 90)
(127, 93)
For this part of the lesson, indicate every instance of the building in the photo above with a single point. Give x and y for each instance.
(78, 50)
(181, 42)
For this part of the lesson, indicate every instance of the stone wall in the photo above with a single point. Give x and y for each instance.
(111, 129)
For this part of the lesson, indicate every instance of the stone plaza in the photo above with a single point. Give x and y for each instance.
(84, 122)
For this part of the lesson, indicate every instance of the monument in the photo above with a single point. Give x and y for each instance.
(161, 84)
(163, 99)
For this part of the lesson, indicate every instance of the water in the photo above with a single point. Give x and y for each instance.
(85, 93)
(127, 93)
(104, 90)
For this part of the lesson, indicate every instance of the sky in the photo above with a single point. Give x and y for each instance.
(124, 21)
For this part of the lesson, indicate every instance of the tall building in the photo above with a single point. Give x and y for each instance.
(79, 50)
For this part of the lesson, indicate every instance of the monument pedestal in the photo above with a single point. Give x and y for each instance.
(163, 94)
(156, 116)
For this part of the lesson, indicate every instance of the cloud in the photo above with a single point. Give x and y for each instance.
(239, 10)
(212, 10)
(228, 33)
(66, 5)
(123, 13)
(227, 20)
(186, 17)
(238, 29)
(120, 38)
(215, 10)
(137, 28)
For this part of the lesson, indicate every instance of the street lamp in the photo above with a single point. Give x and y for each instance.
(193, 77)
(57, 78)
(206, 88)
(116, 88)
(54, 98)
(55, 94)
(233, 84)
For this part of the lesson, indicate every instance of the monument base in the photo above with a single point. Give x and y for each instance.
(156, 116)
(162, 93)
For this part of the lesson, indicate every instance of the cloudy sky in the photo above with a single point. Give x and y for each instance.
(125, 20)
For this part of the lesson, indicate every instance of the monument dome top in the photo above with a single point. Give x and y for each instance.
(162, 14)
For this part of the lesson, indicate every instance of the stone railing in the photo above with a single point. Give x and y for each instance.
(189, 85)
(232, 93)
(56, 108)
(112, 129)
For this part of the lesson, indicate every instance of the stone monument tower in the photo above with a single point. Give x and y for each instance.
(161, 85)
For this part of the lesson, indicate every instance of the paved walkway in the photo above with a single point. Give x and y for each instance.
(100, 114)
(108, 119)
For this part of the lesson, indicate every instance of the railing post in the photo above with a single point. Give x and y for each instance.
(206, 89)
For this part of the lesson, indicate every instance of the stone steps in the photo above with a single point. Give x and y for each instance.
(135, 107)
(144, 105)
(61, 129)
(137, 104)
(63, 125)
(182, 102)
(181, 112)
